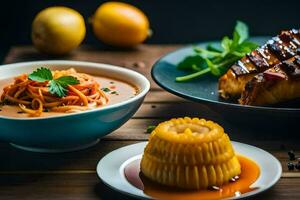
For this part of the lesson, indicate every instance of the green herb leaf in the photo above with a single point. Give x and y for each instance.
(105, 89)
(67, 80)
(241, 33)
(226, 44)
(57, 89)
(246, 47)
(115, 92)
(59, 86)
(193, 75)
(150, 128)
(216, 60)
(205, 53)
(41, 75)
(194, 62)
(213, 68)
(212, 47)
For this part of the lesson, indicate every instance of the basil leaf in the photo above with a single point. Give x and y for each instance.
(205, 53)
(226, 44)
(240, 33)
(194, 62)
(246, 47)
(222, 70)
(41, 75)
(213, 68)
(216, 60)
(212, 47)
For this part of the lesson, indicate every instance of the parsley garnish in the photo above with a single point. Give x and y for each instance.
(215, 59)
(115, 92)
(106, 89)
(41, 75)
(57, 86)
(150, 128)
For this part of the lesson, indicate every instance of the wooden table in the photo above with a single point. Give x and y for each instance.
(26, 175)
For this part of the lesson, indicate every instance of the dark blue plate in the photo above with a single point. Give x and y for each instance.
(205, 89)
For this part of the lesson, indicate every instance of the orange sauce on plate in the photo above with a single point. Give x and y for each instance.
(250, 173)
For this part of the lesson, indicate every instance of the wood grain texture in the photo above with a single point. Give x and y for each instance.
(21, 162)
(26, 175)
(162, 97)
(88, 187)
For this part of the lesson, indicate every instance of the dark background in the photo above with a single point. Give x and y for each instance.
(172, 21)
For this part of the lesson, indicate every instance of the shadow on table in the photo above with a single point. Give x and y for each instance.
(13, 159)
(105, 192)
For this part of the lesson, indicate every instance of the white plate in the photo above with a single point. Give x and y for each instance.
(110, 169)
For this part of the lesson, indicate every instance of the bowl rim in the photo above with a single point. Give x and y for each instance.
(117, 69)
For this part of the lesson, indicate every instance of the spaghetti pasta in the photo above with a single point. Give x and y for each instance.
(35, 98)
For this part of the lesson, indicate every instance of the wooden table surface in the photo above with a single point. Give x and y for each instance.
(26, 175)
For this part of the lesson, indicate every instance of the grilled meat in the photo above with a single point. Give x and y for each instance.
(276, 50)
(277, 84)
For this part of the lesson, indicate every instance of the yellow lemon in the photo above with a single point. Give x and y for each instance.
(57, 30)
(120, 24)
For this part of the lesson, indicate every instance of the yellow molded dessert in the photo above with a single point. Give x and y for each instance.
(189, 153)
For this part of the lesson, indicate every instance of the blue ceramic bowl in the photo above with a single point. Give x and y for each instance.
(75, 130)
